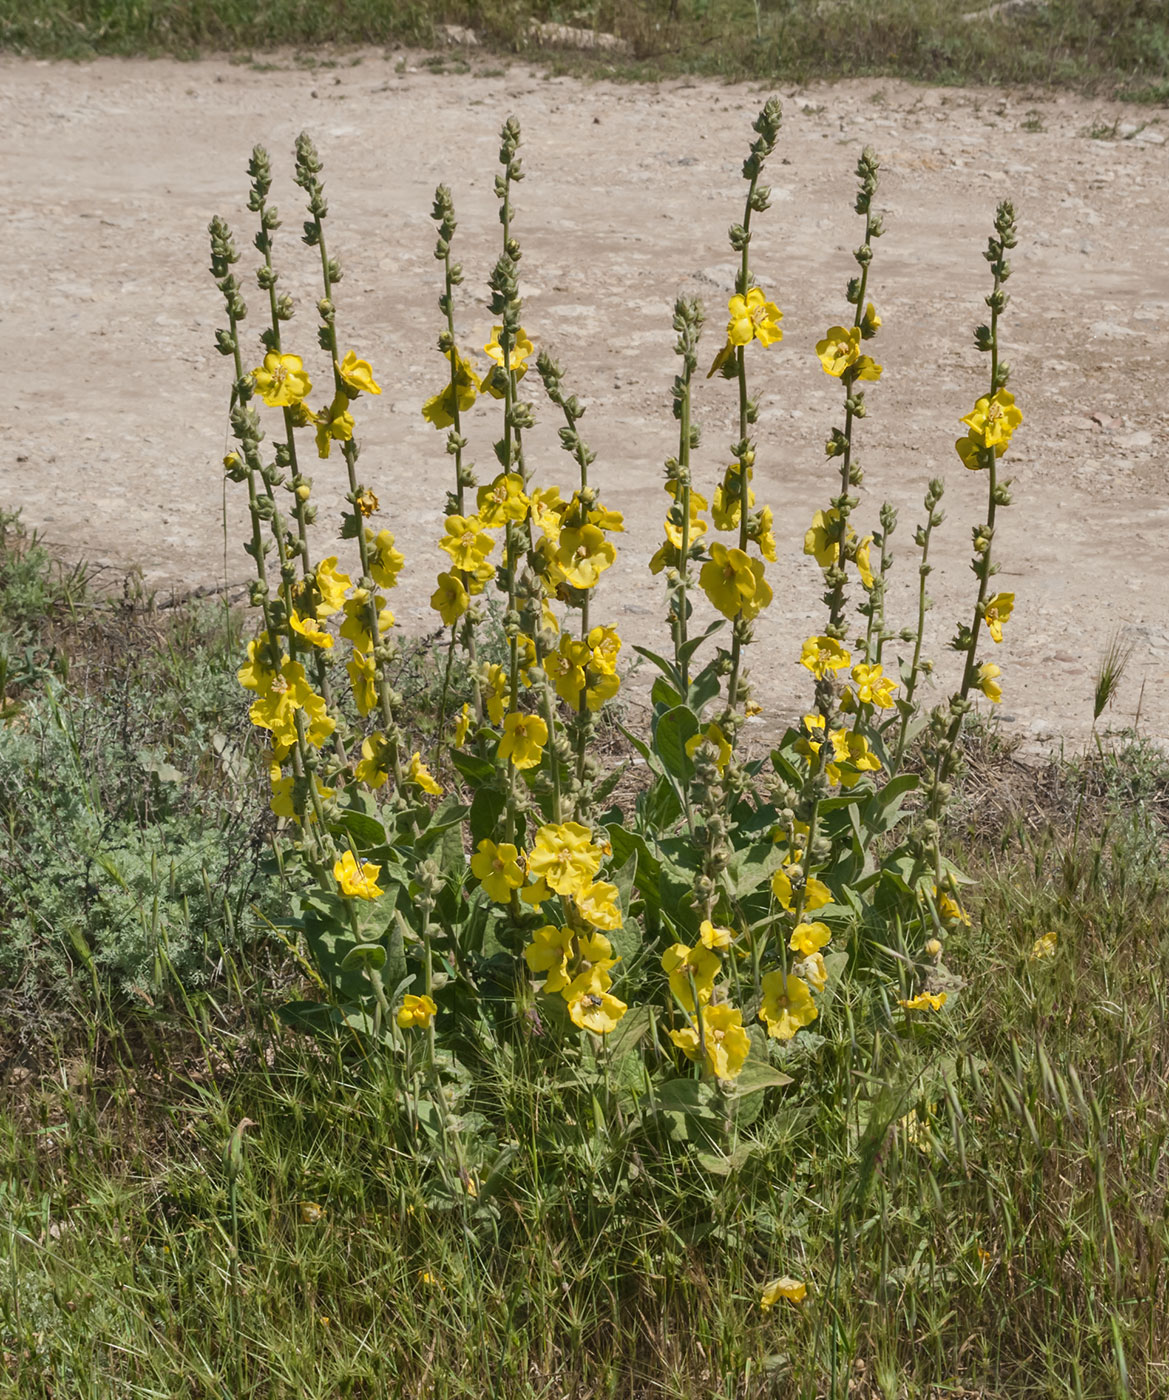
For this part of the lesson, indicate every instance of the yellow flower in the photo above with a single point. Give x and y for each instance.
(496, 693)
(584, 555)
(281, 382)
(787, 1005)
(449, 599)
(873, 687)
(357, 882)
(465, 542)
(816, 893)
(357, 374)
(760, 532)
(870, 322)
(498, 869)
(385, 562)
(366, 502)
(987, 682)
(416, 1013)
(565, 668)
(355, 628)
(602, 688)
(993, 420)
(502, 501)
(605, 644)
(548, 953)
(1042, 948)
(597, 905)
(524, 737)
(373, 768)
(933, 947)
(518, 352)
(440, 409)
(998, 609)
(590, 1004)
(310, 630)
(734, 582)
(821, 539)
(753, 317)
(548, 511)
(281, 803)
(422, 777)
(852, 751)
(363, 679)
(823, 654)
(791, 1289)
(949, 909)
(462, 726)
(331, 585)
(839, 349)
(311, 1213)
(713, 736)
(863, 565)
(924, 1001)
(711, 936)
(809, 938)
(727, 1043)
(564, 857)
(813, 971)
(700, 964)
(334, 424)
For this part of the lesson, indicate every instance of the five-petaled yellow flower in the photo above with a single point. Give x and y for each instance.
(734, 582)
(713, 736)
(816, 893)
(422, 777)
(450, 598)
(281, 381)
(524, 737)
(987, 682)
(498, 869)
(684, 966)
(873, 687)
(590, 1004)
(564, 857)
(357, 882)
(823, 654)
(416, 1013)
(787, 1005)
(310, 630)
(518, 352)
(809, 938)
(753, 317)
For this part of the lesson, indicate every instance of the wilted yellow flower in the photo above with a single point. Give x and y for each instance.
(357, 882)
(823, 654)
(1043, 947)
(422, 777)
(813, 970)
(564, 857)
(524, 737)
(933, 947)
(366, 502)
(787, 1005)
(683, 964)
(450, 598)
(281, 381)
(416, 1013)
(753, 317)
(791, 1289)
(311, 1213)
(998, 609)
(924, 1001)
(357, 374)
(498, 869)
(714, 736)
(987, 682)
(334, 424)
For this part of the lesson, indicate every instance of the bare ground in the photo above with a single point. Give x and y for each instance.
(113, 411)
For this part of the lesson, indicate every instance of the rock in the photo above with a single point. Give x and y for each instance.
(459, 34)
(568, 36)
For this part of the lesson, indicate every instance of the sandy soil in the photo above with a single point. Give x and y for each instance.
(113, 406)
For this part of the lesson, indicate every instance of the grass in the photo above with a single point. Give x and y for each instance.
(1102, 46)
(198, 1201)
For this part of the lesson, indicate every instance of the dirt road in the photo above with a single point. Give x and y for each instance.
(112, 415)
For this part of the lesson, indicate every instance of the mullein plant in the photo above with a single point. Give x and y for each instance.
(709, 925)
